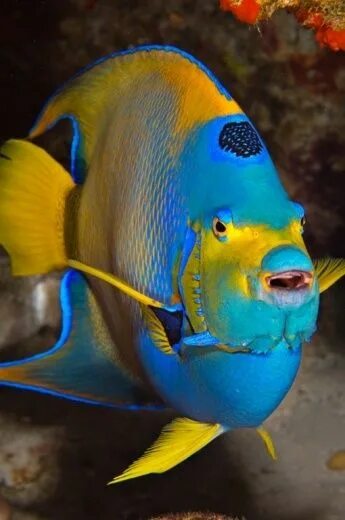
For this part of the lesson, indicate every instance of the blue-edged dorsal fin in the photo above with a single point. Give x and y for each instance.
(82, 365)
(85, 100)
(114, 81)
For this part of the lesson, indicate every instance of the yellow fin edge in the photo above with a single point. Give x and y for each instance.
(156, 331)
(329, 271)
(268, 442)
(116, 282)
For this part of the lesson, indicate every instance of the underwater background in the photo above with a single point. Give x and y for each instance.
(56, 456)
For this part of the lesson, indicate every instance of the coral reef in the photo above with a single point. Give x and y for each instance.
(326, 17)
(195, 516)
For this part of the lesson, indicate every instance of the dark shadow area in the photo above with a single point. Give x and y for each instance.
(100, 443)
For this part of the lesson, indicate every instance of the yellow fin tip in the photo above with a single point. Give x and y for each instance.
(116, 282)
(268, 442)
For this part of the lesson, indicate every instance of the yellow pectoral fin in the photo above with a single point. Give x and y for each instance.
(329, 271)
(116, 282)
(178, 441)
(267, 440)
(154, 326)
(156, 331)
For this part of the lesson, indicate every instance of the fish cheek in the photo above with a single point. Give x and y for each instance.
(222, 301)
(236, 318)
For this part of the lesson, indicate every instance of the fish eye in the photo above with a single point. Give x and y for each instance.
(219, 228)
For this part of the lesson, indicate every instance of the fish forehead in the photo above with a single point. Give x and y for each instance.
(218, 179)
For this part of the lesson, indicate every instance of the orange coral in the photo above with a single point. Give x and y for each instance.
(332, 38)
(325, 17)
(245, 10)
(325, 34)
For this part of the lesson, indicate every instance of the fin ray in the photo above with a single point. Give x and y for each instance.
(116, 282)
(329, 271)
(156, 331)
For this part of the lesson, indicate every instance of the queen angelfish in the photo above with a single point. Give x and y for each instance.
(186, 282)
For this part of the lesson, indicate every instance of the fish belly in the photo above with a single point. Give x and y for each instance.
(235, 390)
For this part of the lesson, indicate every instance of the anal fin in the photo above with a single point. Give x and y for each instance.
(81, 366)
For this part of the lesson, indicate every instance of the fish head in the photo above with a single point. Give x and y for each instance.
(249, 281)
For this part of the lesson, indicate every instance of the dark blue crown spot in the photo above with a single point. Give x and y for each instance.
(240, 139)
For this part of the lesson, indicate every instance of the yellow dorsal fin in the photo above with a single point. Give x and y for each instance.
(156, 331)
(87, 98)
(33, 191)
(179, 440)
(82, 100)
(329, 271)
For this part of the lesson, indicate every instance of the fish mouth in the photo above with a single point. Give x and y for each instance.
(171, 322)
(293, 280)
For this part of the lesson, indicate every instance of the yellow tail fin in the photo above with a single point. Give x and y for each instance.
(33, 191)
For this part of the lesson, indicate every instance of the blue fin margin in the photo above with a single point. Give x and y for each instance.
(77, 163)
(75, 365)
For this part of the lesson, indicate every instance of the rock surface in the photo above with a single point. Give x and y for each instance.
(56, 456)
(194, 516)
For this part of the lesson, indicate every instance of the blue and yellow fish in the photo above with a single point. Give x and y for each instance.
(187, 283)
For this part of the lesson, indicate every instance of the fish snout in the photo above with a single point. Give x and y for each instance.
(287, 271)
